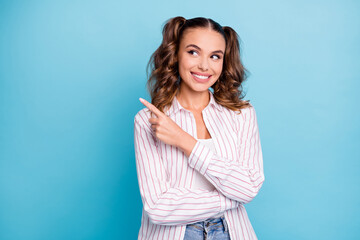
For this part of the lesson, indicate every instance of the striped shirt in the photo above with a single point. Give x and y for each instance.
(166, 175)
(199, 180)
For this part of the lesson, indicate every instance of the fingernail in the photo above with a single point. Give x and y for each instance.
(141, 99)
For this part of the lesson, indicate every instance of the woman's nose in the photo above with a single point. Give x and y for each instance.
(203, 64)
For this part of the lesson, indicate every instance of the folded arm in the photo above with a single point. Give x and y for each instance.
(164, 204)
(239, 179)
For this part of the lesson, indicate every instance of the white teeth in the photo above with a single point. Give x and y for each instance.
(202, 77)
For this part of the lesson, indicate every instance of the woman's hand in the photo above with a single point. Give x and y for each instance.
(166, 130)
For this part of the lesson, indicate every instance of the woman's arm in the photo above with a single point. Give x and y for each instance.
(239, 179)
(164, 204)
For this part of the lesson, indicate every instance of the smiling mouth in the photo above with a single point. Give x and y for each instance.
(203, 77)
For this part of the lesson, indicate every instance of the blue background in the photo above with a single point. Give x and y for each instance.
(71, 73)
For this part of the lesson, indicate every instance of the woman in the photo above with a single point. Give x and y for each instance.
(198, 152)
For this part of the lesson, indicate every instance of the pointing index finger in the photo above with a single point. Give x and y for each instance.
(151, 107)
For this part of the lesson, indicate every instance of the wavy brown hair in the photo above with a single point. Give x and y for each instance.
(164, 80)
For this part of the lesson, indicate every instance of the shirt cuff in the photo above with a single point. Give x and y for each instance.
(200, 157)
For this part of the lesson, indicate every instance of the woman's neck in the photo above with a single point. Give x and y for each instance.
(193, 101)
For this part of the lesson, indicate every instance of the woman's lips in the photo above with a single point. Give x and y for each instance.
(201, 80)
(201, 74)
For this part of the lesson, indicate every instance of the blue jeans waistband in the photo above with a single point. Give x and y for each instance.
(208, 223)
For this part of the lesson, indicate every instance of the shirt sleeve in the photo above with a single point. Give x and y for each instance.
(165, 204)
(239, 179)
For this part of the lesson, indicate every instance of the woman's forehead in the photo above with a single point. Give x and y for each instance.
(202, 37)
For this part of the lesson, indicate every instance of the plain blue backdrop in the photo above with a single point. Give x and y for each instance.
(71, 73)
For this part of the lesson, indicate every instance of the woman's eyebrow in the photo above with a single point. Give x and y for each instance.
(193, 45)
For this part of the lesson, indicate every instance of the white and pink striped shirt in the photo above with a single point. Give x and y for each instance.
(166, 175)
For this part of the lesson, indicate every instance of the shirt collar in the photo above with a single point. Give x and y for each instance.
(176, 106)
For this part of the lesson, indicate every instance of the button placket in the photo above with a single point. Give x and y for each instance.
(212, 133)
(193, 123)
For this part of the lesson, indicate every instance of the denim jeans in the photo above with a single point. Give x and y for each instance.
(210, 229)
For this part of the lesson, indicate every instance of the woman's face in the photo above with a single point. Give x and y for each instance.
(200, 58)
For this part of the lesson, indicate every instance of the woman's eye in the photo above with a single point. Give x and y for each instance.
(191, 52)
(218, 57)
